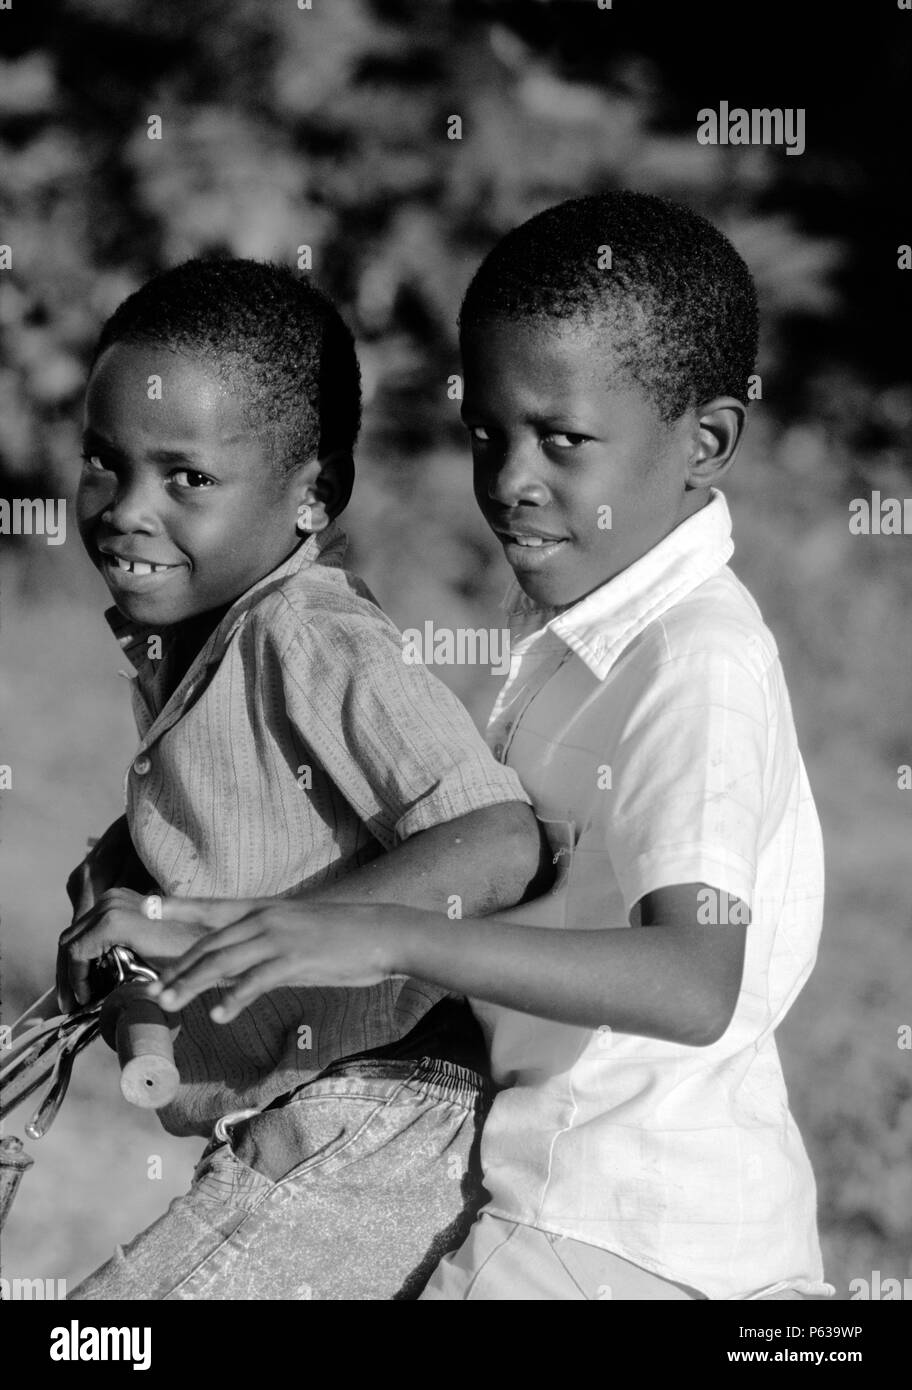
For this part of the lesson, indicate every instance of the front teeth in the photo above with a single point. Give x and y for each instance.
(138, 566)
(528, 540)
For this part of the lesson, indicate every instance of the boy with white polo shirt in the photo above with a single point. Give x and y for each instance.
(641, 1146)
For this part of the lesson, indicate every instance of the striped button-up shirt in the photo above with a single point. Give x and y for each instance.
(298, 746)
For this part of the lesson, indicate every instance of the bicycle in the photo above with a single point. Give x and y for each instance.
(45, 1049)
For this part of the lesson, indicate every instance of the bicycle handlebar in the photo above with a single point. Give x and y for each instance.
(141, 1034)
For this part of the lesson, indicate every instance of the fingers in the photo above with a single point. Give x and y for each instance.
(80, 956)
(214, 913)
(218, 957)
(115, 900)
(205, 946)
(114, 920)
(161, 930)
(262, 978)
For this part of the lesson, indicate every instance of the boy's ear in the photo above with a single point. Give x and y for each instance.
(336, 480)
(719, 428)
(325, 489)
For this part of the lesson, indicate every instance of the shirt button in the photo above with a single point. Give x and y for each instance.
(142, 765)
(498, 751)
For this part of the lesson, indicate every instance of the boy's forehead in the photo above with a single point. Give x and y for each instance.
(152, 390)
(545, 359)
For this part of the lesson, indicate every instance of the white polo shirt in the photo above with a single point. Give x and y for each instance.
(651, 725)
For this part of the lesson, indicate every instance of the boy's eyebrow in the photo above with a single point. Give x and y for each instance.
(92, 439)
(555, 420)
(174, 456)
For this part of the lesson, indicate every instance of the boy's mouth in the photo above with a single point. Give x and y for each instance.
(139, 566)
(529, 550)
(131, 574)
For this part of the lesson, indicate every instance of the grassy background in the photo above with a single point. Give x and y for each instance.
(283, 127)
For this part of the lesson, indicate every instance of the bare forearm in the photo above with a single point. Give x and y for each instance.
(656, 981)
(477, 863)
(665, 977)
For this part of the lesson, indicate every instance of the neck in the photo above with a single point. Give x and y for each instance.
(189, 638)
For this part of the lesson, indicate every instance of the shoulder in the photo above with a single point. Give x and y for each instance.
(707, 656)
(718, 625)
(324, 607)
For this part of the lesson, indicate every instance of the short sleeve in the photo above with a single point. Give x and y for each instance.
(398, 745)
(688, 774)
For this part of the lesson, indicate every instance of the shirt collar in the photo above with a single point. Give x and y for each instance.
(323, 548)
(600, 626)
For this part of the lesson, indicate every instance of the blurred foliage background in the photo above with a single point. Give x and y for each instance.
(284, 126)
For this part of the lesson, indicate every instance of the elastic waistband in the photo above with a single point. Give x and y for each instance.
(446, 1080)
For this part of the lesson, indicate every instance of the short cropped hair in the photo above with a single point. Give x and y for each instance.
(269, 335)
(678, 301)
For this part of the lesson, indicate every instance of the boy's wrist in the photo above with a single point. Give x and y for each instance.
(406, 937)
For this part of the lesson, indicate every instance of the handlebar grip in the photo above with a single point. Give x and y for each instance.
(142, 1035)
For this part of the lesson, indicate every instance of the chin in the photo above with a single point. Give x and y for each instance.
(541, 592)
(145, 612)
(555, 594)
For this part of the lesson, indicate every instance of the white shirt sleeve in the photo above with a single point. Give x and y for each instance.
(688, 772)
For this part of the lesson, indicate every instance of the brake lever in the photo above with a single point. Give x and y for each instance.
(32, 1047)
(46, 1113)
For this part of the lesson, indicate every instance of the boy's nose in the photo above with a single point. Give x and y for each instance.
(515, 478)
(129, 510)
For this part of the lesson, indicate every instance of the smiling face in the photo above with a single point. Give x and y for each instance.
(179, 504)
(558, 436)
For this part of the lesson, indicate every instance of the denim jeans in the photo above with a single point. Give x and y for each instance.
(354, 1186)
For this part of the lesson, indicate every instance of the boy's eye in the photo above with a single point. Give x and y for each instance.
(567, 441)
(189, 478)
